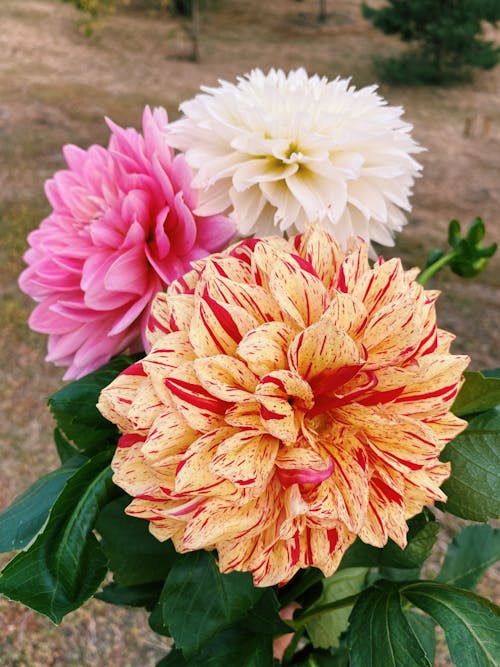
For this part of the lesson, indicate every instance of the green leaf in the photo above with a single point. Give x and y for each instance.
(65, 565)
(425, 629)
(143, 595)
(234, 646)
(134, 555)
(173, 659)
(65, 449)
(491, 373)
(470, 623)
(74, 409)
(470, 554)
(478, 393)
(264, 617)
(320, 658)
(473, 489)
(198, 601)
(422, 533)
(325, 630)
(476, 232)
(454, 231)
(27, 514)
(380, 634)
(395, 574)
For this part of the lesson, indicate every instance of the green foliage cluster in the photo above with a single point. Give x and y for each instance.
(447, 35)
(375, 611)
(467, 258)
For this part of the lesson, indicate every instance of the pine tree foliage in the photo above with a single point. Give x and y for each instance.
(447, 36)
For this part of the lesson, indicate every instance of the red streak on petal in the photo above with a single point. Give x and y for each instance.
(361, 458)
(135, 369)
(129, 440)
(382, 488)
(304, 264)
(223, 317)
(288, 476)
(309, 553)
(432, 337)
(145, 496)
(155, 325)
(214, 338)
(247, 243)
(186, 508)
(408, 464)
(341, 282)
(295, 549)
(245, 482)
(328, 381)
(195, 395)
(269, 379)
(380, 397)
(430, 394)
(333, 538)
(265, 413)
(326, 403)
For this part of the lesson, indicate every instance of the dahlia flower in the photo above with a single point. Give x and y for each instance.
(293, 399)
(283, 150)
(121, 229)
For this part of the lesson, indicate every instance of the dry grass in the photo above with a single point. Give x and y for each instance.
(56, 85)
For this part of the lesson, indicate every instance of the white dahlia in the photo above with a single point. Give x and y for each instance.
(281, 150)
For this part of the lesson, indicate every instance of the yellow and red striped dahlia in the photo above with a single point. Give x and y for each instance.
(293, 399)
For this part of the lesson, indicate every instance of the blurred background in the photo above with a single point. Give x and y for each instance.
(63, 70)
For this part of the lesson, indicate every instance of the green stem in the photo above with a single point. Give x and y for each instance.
(304, 618)
(437, 266)
(291, 648)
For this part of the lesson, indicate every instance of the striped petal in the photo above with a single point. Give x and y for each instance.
(394, 333)
(300, 294)
(226, 378)
(385, 515)
(254, 299)
(219, 520)
(344, 495)
(158, 320)
(436, 388)
(265, 349)
(145, 407)
(298, 465)
(170, 436)
(381, 286)
(217, 328)
(131, 473)
(168, 353)
(322, 252)
(422, 487)
(246, 458)
(275, 393)
(347, 313)
(353, 268)
(201, 410)
(115, 400)
(325, 547)
(320, 354)
(403, 443)
(194, 475)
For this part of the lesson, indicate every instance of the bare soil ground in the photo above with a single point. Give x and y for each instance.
(55, 87)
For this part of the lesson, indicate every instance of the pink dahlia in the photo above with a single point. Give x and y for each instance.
(121, 229)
